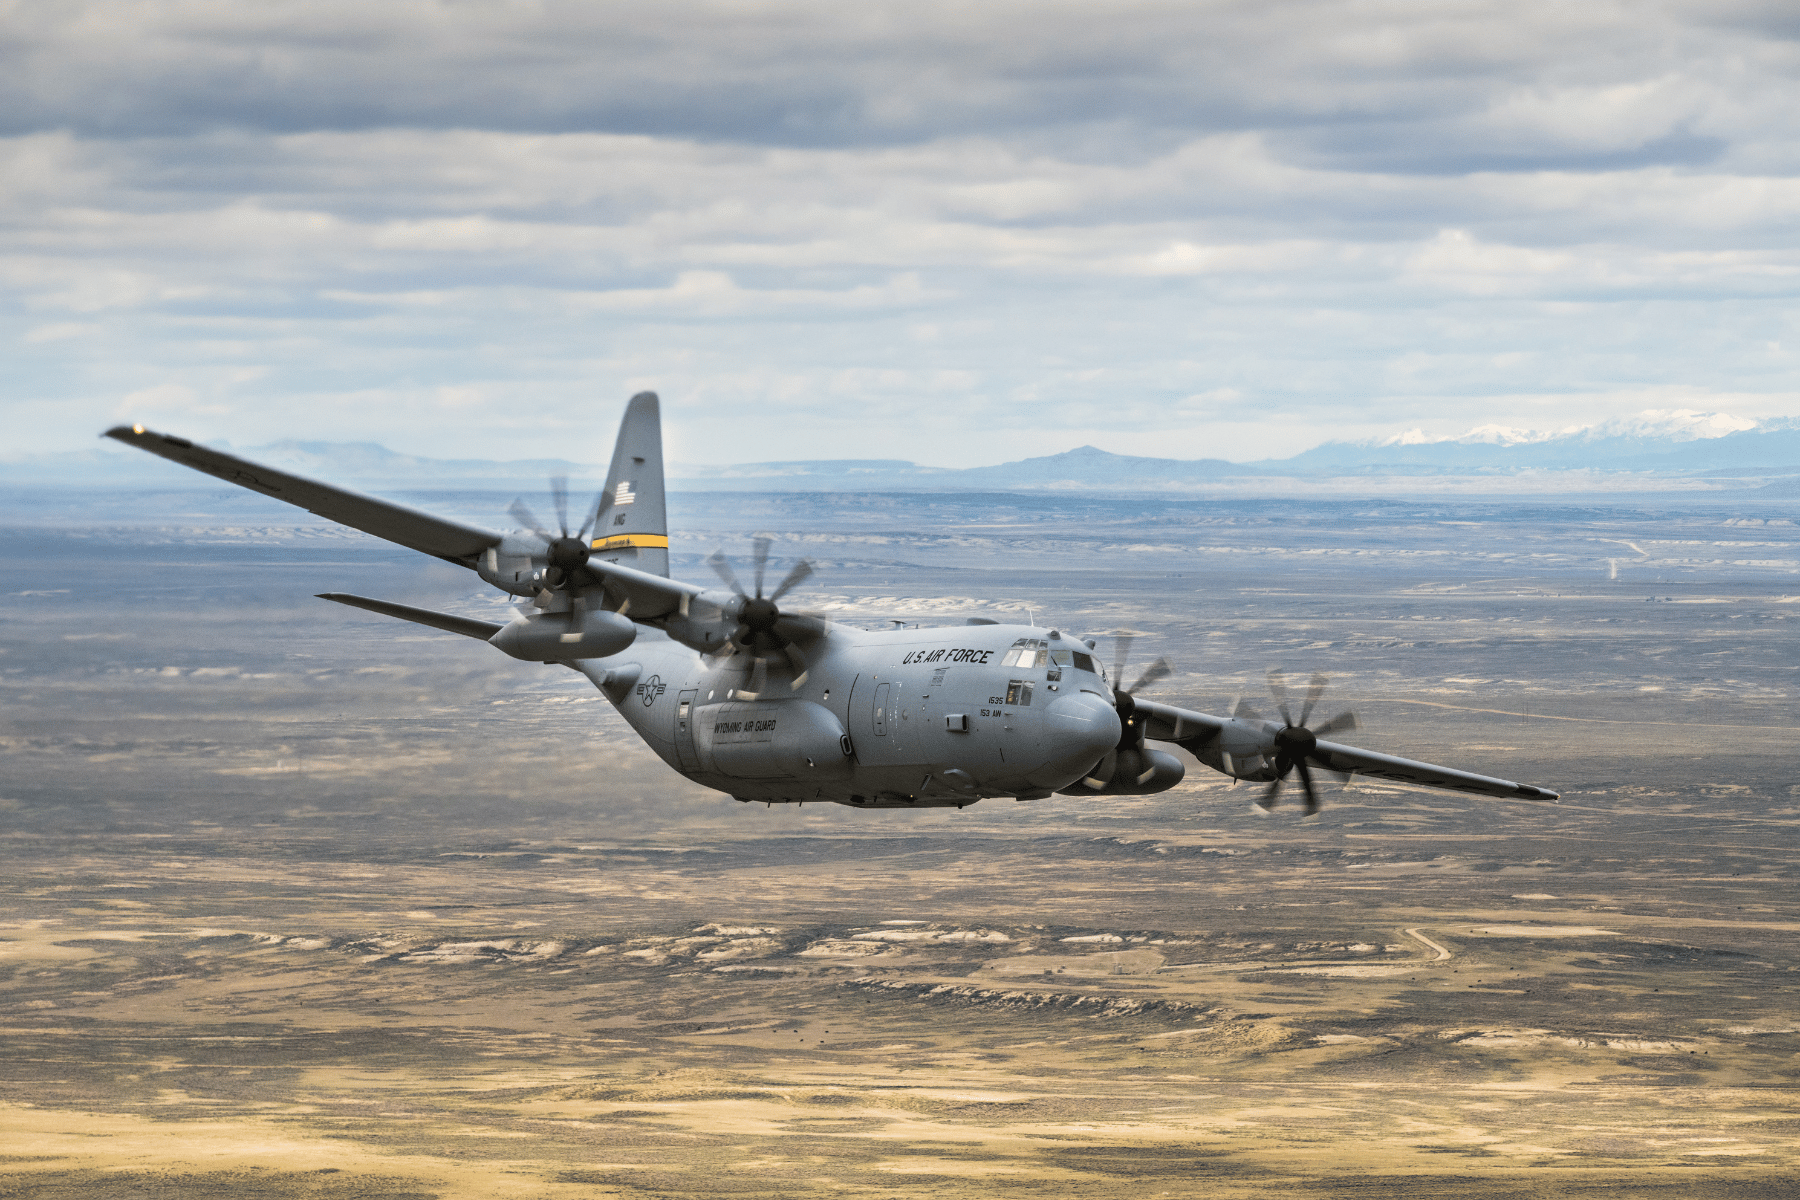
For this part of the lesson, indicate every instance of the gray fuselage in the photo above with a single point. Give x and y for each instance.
(910, 717)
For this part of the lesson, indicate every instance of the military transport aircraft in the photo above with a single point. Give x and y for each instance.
(743, 696)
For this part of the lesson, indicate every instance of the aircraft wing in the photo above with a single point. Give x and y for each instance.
(1195, 732)
(467, 626)
(1405, 770)
(647, 596)
(1166, 723)
(449, 540)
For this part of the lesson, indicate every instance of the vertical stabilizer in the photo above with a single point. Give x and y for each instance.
(633, 527)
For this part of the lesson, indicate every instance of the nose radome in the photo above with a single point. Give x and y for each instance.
(1078, 730)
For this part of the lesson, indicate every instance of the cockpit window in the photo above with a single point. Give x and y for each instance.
(1035, 652)
(1026, 652)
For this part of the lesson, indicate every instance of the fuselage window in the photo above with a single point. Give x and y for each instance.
(1018, 692)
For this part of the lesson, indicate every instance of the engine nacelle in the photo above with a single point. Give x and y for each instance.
(548, 637)
(512, 564)
(771, 739)
(1131, 771)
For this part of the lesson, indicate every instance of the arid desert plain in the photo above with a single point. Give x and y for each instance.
(302, 902)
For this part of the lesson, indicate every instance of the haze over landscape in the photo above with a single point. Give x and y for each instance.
(1652, 451)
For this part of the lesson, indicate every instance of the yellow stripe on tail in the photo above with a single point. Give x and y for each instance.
(647, 541)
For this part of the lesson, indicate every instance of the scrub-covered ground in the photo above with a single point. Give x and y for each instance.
(299, 901)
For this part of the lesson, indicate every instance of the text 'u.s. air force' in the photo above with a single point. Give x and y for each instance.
(977, 657)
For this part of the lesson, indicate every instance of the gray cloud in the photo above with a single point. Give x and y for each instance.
(1530, 76)
(1221, 226)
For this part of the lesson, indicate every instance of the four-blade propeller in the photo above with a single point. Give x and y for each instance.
(1296, 749)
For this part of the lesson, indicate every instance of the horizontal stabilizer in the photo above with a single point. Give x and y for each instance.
(467, 626)
(452, 540)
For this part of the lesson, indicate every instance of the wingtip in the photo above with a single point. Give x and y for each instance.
(1527, 792)
(136, 434)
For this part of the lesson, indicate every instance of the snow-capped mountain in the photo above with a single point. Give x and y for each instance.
(1653, 440)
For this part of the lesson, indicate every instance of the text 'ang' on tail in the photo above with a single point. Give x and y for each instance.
(633, 524)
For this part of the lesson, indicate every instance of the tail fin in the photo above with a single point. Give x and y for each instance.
(633, 526)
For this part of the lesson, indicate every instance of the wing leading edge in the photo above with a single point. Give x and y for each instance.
(449, 540)
(1199, 734)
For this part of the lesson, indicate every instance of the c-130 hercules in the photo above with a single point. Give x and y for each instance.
(744, 697)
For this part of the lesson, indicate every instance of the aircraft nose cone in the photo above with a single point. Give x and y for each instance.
(1078, 729)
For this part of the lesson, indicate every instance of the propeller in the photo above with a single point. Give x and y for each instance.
(1155, 672)
(1297, 745)
(565, 553)
(1131, 729)
(763, 630)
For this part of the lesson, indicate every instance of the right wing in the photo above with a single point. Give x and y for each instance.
(1205, 737)
(449, 540)
(1405, 770)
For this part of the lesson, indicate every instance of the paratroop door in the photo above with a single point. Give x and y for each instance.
(684, 730)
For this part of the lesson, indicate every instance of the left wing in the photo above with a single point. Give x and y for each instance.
(451, 540)
(1213, 739)
(642, 595)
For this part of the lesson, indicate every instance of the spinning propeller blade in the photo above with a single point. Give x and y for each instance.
(587, 525)
(1296, 746)
(1313, 692)
(1121, 651)
(559, 495)
(1154, 673)
(524, 516)
(722, 568)
(565, 554)
(800, 574)
(761, 558)
(763, 630)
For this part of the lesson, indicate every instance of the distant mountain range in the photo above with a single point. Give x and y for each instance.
(1655, 445)
(1660, 442)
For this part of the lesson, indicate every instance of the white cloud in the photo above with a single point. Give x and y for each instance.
(59, 332)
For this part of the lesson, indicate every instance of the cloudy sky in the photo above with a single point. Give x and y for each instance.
(952, 232)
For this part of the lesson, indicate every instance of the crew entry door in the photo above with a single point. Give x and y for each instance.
(880, 713)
